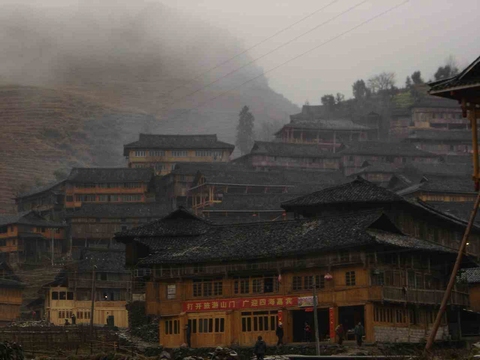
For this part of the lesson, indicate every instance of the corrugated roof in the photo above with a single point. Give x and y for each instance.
(110, 175)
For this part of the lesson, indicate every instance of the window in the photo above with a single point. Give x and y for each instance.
(259, 321)
(69, 295)
(171, 291)
(207, 288)
(140, 153)
(55, 295)
(350, 278)
(156, 153)
(160, 167)
(179, 153)
(3, 242)
(172, 327)
(203, 153)
(103, 198)
(241, 286)
(102, 276)
(63, 295)
(297, 283)
(257, 285)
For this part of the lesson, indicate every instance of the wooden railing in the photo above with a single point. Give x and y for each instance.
(422, 296)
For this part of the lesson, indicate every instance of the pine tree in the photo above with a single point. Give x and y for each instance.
(245, 130)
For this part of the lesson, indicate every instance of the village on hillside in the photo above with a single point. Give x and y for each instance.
(335, 221)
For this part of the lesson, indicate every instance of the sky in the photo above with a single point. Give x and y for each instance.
(418, 35)
(324, 54)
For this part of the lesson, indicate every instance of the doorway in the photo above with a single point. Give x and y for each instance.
(300, 317)
(350, 316)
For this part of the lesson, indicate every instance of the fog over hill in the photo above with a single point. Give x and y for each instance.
(78, 81)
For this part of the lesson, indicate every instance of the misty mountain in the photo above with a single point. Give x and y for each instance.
(77, 82)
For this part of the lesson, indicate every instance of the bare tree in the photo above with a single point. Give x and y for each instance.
(382, 82)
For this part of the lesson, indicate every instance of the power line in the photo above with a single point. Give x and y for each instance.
(264, 55)
(292, 59)
(250, 48)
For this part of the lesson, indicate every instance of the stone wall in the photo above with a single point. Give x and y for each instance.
(405, 334)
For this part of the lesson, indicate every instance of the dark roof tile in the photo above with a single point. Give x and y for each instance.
(290, 150)
(110, 175)
(384, 149)
(125, 210)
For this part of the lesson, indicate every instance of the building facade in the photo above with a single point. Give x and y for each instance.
(11, 295)
(163, 152)
(108, 185)
(246, 278)
(28, 236)
(71, 292)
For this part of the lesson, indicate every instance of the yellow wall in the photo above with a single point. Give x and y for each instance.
(102, 309)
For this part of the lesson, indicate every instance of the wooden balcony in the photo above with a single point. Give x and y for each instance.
(419, 296)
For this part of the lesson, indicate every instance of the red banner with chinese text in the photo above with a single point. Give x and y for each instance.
(331, 315)
(242, 303)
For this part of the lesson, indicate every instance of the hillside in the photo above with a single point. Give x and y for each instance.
(86, 97)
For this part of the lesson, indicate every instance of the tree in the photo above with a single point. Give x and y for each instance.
(417, 78)
(245, 125)
(360, 90)
(450, 69)
(328, 101)
(339, 98)
(382, 82)
(408, 83)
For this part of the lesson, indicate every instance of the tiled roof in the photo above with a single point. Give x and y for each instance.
(442, 185)
(357, 191)
(290, 150)
(169, 142)
(191, 168)
(179, 223)
(323, 124)
(429, 101)
(441, 169)
(469, 76)
(460, 210)
(246, 202)
(443, 135)
(384, 149)
(378, 168)
(110, 175)
(274, 177)
(125, 210)
(279, 239)
(105, 260)
(472, 276)
(27, 218)
(40, 189)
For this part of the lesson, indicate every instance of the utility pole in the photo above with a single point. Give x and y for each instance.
(93, 298)
(53, 243)
(315, 317)
(453, 276)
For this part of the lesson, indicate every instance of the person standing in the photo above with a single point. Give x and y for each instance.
(359, 332)
(188, 335)
(308, 332)
(260, 348)
(279, 333)
(340, 331)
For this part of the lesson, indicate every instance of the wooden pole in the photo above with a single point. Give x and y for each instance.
(453, 276)
(473, 121)
(92, 309)
(315, 317)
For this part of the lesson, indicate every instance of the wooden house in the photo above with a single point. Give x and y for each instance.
(354, 155)
(11, 290)
(209, 187)
(163, 152)
(277, 155)
(48, 200)
(452, 142)
(71, 292)
(108, 185)
(312, 127)
(28, 236)
(378, 173)
(245, 279)
(94, 224)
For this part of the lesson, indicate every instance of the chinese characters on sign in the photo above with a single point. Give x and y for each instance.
(245, 303)
(331, 316)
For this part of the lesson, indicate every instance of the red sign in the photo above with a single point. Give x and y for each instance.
(280, 316)
(331, 316)
(245, 303)
(310, 309)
